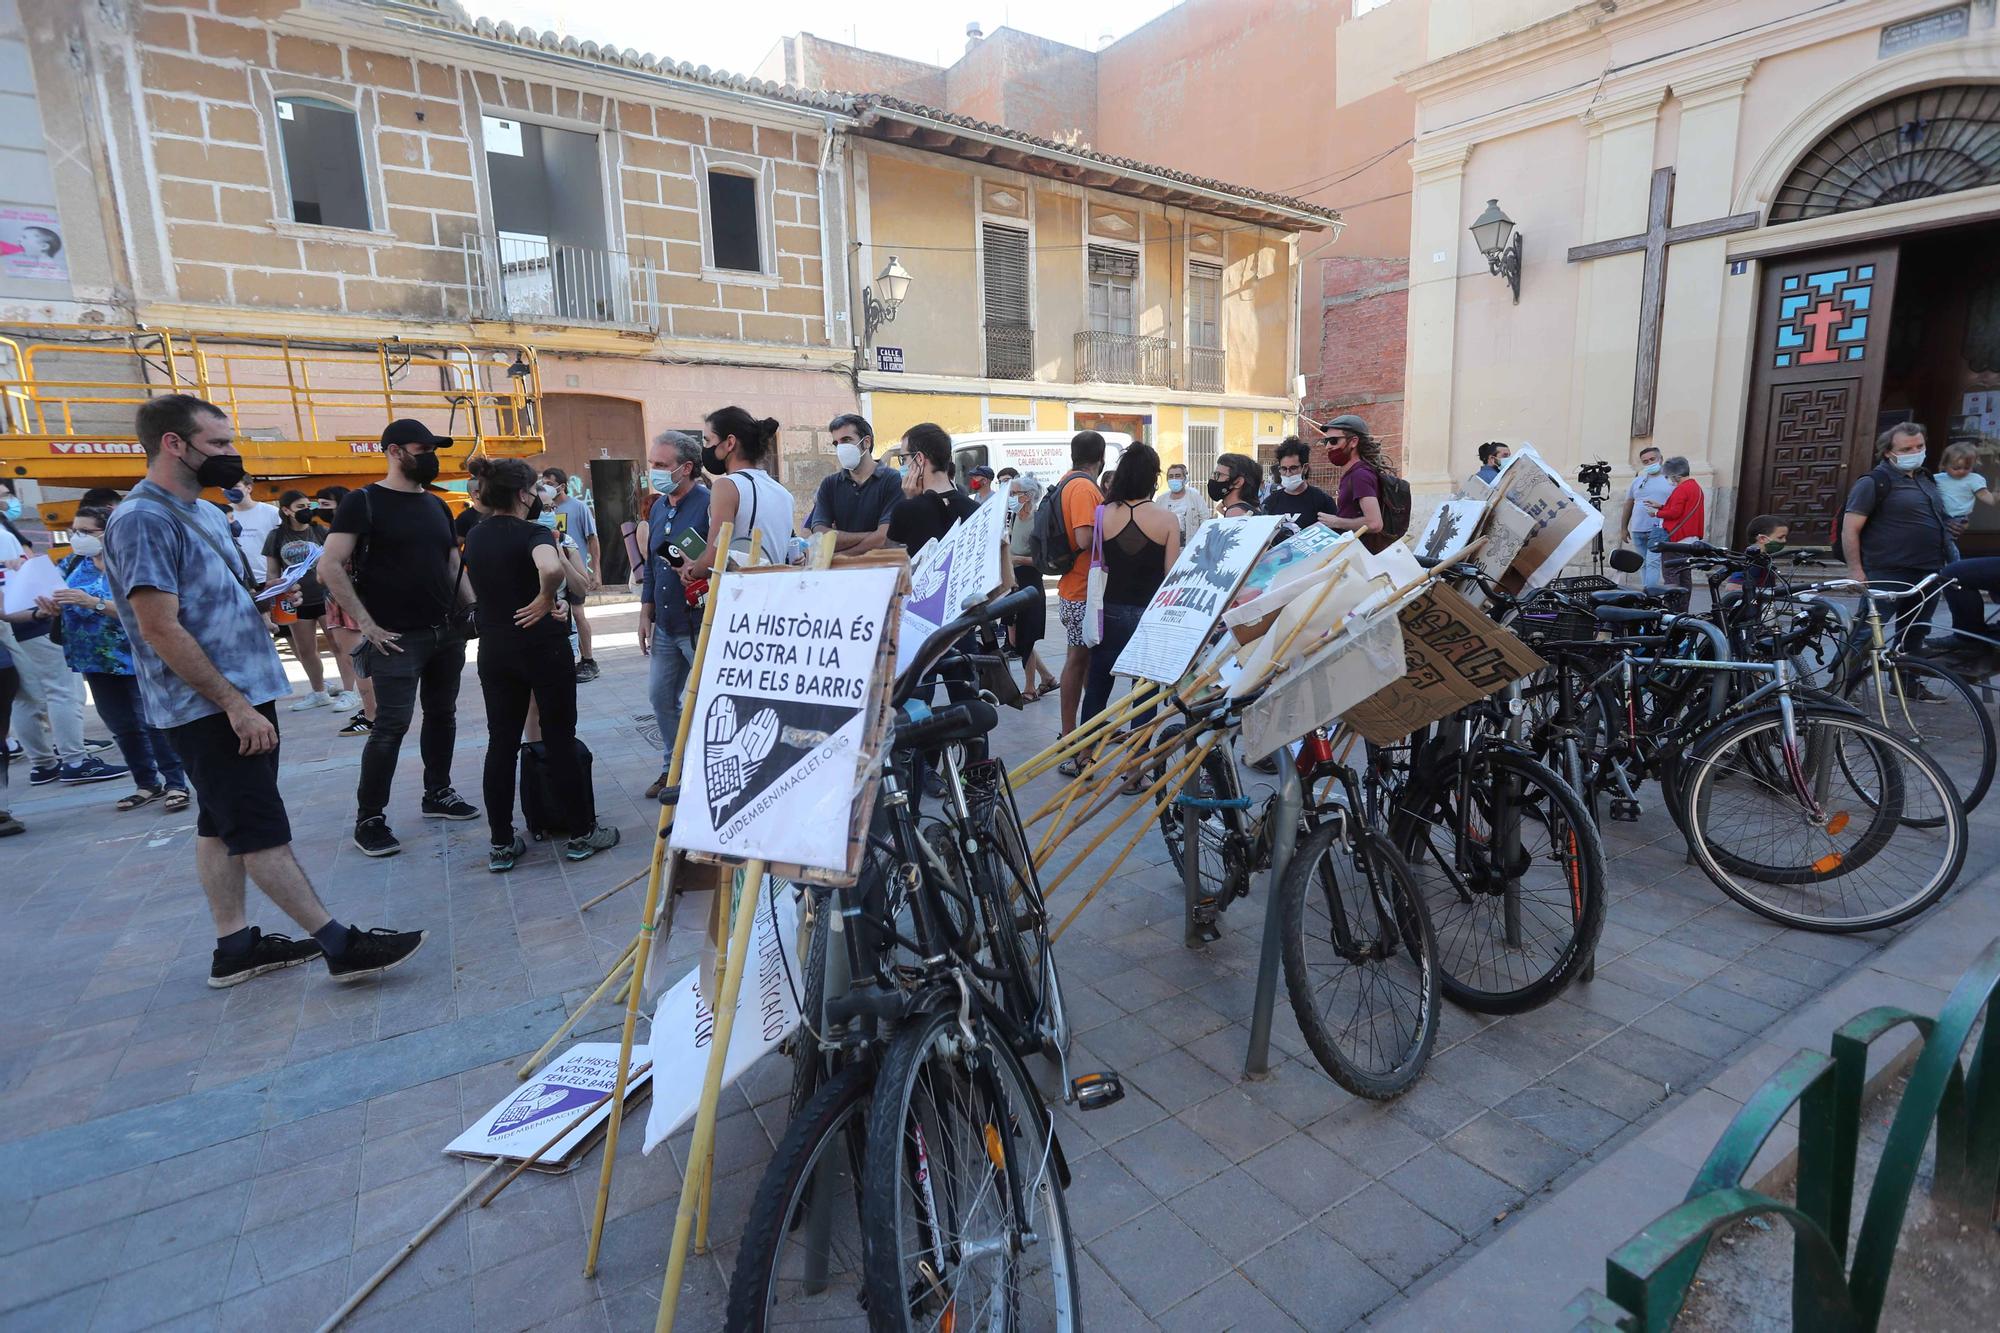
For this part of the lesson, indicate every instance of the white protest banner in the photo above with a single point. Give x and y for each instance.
(1193, 597)
(964, 563)
(566, 1090)
(781, 714)
(767, 1009)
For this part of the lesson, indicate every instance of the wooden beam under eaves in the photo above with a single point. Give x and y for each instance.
(927, 138)
(897, 130)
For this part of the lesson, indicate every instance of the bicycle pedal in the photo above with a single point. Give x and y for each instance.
(1205, 930)
(1093, 1092)
(1624, 811)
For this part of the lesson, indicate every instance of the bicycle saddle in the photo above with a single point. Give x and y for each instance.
(1617, 597)
(1628, 615)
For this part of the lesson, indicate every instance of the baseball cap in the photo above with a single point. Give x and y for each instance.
(981, 471)
(409, 430)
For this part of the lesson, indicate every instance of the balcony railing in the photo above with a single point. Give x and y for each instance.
(526, 278)
(1010, 350)
(1205, 369)
(1122, 358)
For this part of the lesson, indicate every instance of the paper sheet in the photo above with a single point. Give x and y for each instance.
(38, 577)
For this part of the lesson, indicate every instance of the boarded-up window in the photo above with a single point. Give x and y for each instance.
(732, 222)
(323, 174)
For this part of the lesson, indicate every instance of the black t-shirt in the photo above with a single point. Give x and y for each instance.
(289, 545)
(916, 519)
(468, 518)
(500, 562)
(402, 568)
(1306, 505)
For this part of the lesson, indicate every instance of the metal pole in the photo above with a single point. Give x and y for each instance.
(1285, 810)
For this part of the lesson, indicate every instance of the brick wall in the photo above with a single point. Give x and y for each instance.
(1364, 315)
(210, 82)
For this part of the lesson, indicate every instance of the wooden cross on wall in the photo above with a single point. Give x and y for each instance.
(1653, 285)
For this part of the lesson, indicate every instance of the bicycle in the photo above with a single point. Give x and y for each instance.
(922, 1180)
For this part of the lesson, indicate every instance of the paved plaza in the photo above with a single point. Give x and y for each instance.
(236, 1159)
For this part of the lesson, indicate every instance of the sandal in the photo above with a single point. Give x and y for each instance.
(1071, 767)
(177, 799)
(143, 796)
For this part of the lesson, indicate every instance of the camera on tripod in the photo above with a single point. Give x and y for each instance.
(1595, 476)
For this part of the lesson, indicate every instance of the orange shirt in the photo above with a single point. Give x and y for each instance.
(1079, 510)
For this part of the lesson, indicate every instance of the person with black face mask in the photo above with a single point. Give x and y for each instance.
(405, 592)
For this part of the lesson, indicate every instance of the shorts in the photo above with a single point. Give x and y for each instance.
(311, 611)
(1072, 620)
(337, 618)
(238, 793)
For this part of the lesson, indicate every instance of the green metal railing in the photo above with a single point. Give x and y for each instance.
(1647, 1279)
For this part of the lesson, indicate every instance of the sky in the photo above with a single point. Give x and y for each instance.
(736, 37)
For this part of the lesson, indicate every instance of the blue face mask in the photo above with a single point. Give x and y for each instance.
(1013, 504)
(13, 507)
(1908, 462)
(1175, 485)
(661, 480)
(547, 518)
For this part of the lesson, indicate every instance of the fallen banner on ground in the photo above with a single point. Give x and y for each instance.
(767, 1009)
(572, 1089)
(779, 768)
(1193, 596)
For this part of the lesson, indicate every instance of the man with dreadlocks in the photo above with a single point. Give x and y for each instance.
(1358, 463)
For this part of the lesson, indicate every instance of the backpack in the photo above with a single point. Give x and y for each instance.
(1050, 545)
(1392, 493)
(1884, 477)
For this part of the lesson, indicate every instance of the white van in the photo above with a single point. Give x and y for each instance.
(1042, 454)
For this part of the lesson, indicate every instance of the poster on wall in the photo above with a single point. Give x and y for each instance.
(788, 688)
(31, 245)
(962, 565)
(1193, 596)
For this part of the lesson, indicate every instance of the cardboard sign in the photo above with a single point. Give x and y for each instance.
(566, 1090)
(962, 565)
(1193, 596)
(767, 1009)
(789, 688)
(1453, 655)
(1316, 608)
(1535, 524)
(1363, 659)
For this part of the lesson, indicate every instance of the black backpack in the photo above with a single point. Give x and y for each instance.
(1050, 545)
(1392, 493)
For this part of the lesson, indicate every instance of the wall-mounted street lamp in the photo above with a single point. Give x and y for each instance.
(894, 281)
(1495, 235)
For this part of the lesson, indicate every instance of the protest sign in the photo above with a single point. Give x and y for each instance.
(570, 1090)
(1453, 655)
(1306, 550)
(962, 565)
(1316, 607)
(1451, 525)
(1193, 597)
(789, 687)
(1362, 659)
(1535, 525)
(767, 1009)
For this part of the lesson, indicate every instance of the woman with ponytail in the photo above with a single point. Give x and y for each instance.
(736, 447)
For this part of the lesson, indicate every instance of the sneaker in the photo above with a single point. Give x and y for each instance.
(344, 701)
(9, 826)
(599, 839)
(448, 804)
(372, 951)
(92, 769)
(43, 776)
(143, 796)
(586, 671)
(372, 836)
(267, 953)
(317, 699)
(358, 725)
(500, 859)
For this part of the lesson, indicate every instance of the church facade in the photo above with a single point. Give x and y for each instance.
(1752, 232)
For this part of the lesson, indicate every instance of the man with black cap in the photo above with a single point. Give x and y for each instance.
(405, 592)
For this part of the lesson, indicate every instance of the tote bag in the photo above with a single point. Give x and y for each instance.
(1093, 597)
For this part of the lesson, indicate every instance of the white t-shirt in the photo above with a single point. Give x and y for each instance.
(258, 522)
(1657, 488)
(10, 550)
(765, 506)
(1187, 511)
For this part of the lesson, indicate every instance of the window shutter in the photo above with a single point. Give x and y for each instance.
(1006, 274)
(1204, 305)
(1113, 263)
(1203, 443)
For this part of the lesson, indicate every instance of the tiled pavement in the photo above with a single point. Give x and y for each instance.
(173, 1155)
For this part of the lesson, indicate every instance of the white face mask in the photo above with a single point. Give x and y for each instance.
(86, 544)
(1908, 462)
(547, 492)
(1175, 485)
(1650, 470)
(848, 454)
(1292, 481)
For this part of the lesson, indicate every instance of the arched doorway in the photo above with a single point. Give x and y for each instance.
(602, 442)
(1901, 326)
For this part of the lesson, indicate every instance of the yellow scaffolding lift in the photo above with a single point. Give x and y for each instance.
(308, 412)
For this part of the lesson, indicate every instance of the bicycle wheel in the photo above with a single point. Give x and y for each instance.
(1016, 901)
(1223, 854)
(1517, 901)
(1861, 832)
(1931, 708)
(800, 1259)
(964, 1224)
(1360, 958)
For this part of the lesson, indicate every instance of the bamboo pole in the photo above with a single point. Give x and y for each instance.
(622, 885)
(367, 1289)
(702, 1146)
(1155, 808)
(1080, 735)
(1182, 766)
(636, 988)
(617, 970)
(558, 1137)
